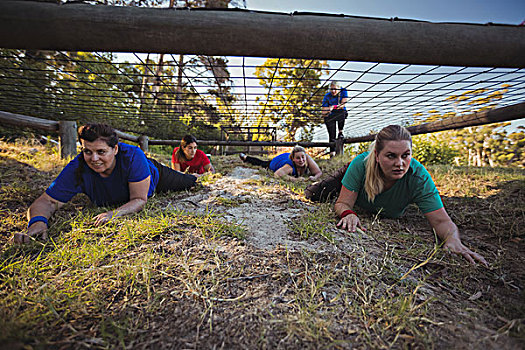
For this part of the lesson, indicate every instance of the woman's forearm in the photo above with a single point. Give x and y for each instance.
(43, 206)
(345, 201)
(447, 231)
(316, 176)
(286, 177)
(133, 206)
(341, 207)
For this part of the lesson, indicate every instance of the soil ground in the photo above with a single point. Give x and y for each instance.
(292, 279)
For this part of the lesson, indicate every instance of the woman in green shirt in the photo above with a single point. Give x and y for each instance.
(388, 179)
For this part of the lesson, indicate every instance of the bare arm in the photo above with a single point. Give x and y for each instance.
(175, 166)
(138, 196)
(342, 103)
(346, 201)
(44, 206)
(285, 172)
(448, 232)
(209, 167)
(314, 168)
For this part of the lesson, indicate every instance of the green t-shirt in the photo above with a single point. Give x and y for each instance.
(415, 187)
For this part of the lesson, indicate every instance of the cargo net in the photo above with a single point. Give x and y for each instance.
(165, 95)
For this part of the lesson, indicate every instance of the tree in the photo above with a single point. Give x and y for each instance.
(487, 145)
(292, 85)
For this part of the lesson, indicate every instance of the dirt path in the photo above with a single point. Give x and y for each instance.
(264, 212)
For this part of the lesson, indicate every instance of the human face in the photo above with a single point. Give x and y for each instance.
(394, 159)
(334, 90)
(299, 159)
(190, 150)
(99, 156)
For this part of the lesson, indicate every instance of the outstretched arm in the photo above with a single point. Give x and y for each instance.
(138, 196)
(314, 168)
(346, 201)
(285, 172)
(209, 167)
(44, 206)
(448, 232)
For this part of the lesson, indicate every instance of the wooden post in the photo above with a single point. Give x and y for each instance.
(67, 137)
(144, 143)
(339, 146)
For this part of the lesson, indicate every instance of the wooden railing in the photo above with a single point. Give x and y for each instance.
(67, 130)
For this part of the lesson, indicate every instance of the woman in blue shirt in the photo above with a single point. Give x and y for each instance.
(387, 180)
(334, 111)
(290, 166)
(109, 173)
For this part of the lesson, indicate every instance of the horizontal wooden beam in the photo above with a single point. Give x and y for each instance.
(24, 121)
(83, 27)
(497, 115)
(127, 136)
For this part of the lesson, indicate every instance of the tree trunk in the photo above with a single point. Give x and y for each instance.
(178, 98)
(158, 81)
(143, 85)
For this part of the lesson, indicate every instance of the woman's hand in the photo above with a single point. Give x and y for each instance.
(448, 232)
(455, 246)
(351, 223)
(103, 218)
(44, 206)
(346, 201)
(38, 228)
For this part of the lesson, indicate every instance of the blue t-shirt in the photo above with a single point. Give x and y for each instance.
(331, 100)
(280, 161)
(131, 166)
(416, 186)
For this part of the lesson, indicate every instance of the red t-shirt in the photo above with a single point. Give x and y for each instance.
(196, 165)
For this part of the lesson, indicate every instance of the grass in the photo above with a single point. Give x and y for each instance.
(167, 278)
(314, 224)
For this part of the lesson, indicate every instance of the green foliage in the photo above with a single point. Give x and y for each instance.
(292, 82)
(487, 145)
(363, 147)
(146, 98)
(427, 149)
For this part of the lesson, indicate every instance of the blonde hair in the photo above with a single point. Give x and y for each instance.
(374, 182)
(334, 83)
(298, 149)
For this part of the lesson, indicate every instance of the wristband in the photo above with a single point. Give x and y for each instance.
(347, 212)
(37, 218)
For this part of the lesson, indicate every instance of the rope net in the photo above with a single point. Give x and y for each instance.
(167, 95)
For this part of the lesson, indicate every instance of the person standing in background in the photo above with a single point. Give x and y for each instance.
(334, 111)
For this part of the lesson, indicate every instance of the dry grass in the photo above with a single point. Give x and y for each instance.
(166, 278)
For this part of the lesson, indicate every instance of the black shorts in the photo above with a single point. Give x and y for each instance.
(172, 180)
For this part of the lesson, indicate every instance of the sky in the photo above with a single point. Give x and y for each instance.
(466, 11)
(462, 11)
